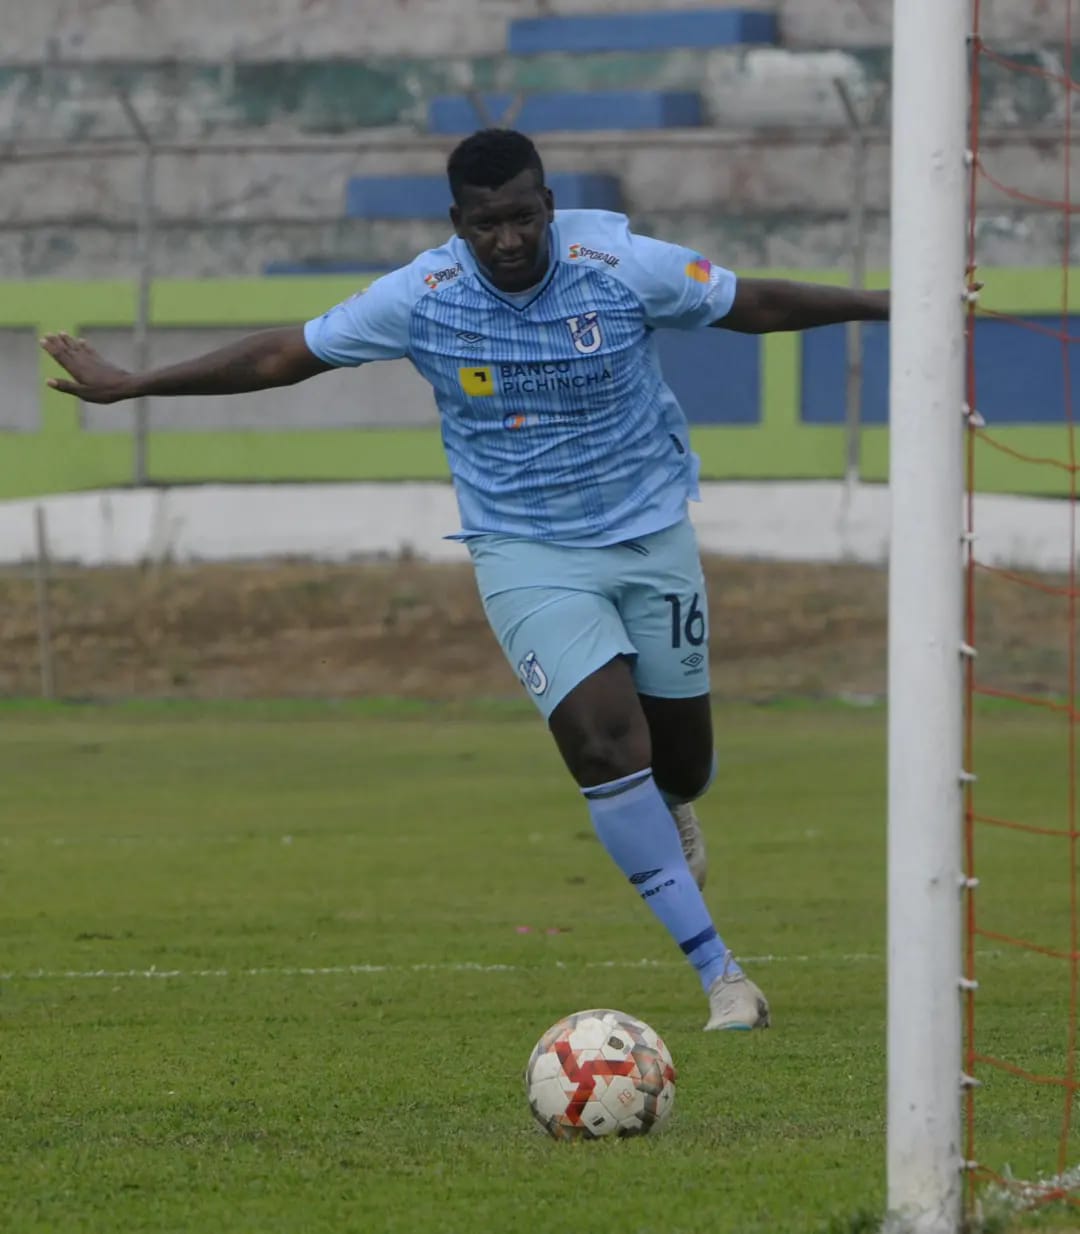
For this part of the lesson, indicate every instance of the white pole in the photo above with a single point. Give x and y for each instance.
(44, 608)
(145, 263)
(930, 107)
(857, 240)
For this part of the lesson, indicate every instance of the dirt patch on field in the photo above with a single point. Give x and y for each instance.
(409, 629)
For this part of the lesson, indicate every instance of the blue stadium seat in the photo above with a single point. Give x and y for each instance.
(715, 374)
(641, 31)
(575, 190)
(1021, 378)
(570, 110)
(428, 197)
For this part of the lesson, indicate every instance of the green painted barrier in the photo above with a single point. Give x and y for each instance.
(63, 458)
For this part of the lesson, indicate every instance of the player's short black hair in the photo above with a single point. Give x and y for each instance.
(489, 158)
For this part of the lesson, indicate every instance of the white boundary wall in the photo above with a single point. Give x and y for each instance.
(803, 521)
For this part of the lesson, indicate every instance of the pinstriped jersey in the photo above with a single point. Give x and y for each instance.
(556, 419)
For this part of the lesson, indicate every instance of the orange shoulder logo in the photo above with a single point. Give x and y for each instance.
(699, 270)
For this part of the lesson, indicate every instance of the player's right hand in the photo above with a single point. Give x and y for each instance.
(94, 379)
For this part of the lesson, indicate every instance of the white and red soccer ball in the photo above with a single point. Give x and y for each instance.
(600, 1073)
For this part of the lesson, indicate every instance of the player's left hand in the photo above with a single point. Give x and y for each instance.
(96, 380)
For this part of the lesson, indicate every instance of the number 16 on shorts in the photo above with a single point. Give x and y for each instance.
(687, 621)
(688, 631)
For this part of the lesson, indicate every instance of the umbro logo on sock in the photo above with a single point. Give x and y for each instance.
(643, 877)
(655, 891)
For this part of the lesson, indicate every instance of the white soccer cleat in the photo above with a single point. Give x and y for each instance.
(693, 842)
(736, 1004)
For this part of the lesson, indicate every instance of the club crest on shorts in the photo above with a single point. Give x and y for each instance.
(532, 675)
(585, 332)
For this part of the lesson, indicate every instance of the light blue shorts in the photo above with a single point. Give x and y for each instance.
(561, 613)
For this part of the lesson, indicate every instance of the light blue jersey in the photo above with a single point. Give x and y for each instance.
(556, 419)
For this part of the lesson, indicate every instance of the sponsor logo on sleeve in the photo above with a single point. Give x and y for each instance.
(582, 252)
(436, 278)
(699, 270)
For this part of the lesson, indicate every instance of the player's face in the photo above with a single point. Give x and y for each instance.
(507, 229)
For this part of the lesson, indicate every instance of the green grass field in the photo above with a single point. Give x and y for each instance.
(263, 971)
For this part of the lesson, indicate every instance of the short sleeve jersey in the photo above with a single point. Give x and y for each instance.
(556, 419)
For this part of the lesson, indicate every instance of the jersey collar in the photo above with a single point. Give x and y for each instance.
(538, 289)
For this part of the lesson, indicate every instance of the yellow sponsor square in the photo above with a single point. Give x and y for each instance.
(478, 382)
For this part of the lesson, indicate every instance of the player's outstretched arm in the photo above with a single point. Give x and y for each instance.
(766, 306)
(256, 362)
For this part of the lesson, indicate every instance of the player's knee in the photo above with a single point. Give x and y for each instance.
(609, 752)
(690, 779)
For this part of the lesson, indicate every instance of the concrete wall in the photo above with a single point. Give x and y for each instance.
(747, 197)
(741, 201)
(676, 172)
(20, 392)
(268, 29)
(818, 521)
(390, 395)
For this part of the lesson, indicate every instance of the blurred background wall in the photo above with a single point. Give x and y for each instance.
(174, 173)
(727, 131)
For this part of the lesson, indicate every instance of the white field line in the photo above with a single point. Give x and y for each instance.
(360, 970)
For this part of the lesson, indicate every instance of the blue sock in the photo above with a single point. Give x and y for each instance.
(636, 828)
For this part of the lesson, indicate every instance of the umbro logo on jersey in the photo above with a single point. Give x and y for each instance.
(470, 339)
(585, 332)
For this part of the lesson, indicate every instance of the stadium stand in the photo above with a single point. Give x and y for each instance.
(269, 128)
(583, 32)
(570, 111)
(425, 197)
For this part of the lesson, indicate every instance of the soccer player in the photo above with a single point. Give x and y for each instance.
(572, 469)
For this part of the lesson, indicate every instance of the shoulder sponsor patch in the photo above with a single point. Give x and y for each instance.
(699, 270)
(582, 252)
(437, 277)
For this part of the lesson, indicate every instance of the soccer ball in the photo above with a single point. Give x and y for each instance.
(600, 1073)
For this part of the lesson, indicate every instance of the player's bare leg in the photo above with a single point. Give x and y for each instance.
(600, 727)
(683, 762)
(602, 732)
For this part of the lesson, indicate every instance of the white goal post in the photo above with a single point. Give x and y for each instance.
(929, 181)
